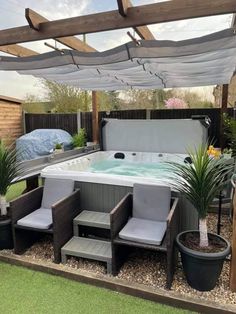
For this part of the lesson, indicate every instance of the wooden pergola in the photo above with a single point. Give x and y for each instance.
(126, 15)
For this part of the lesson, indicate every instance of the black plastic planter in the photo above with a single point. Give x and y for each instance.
(6, 241)
(202, 270)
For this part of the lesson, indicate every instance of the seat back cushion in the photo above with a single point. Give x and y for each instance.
(151, 202)
(55, 190)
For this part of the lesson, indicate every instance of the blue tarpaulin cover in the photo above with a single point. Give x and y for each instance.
(41, 142)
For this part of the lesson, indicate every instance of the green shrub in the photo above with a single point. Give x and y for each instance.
(58, 146)
(230, 132)
(79, 139)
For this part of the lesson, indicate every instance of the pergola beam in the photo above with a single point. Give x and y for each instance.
(143, 31)
(123, 6)
(137, 16)
(34, 19)
(18, 51)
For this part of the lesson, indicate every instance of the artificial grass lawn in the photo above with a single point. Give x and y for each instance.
(15, 190)
(26, 291)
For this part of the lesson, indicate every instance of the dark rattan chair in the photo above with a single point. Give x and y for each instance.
(45, 210)
(121, 217)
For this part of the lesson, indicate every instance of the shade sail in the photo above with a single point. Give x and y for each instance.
(207, 60)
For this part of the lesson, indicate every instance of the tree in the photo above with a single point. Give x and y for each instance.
(67, 98)
(175, 103)
(108, 101)
(145, 99)
(193, 99)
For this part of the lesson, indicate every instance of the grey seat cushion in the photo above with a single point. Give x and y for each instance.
(55, 190)
(144, 231)
(40, 218)
(151, 202)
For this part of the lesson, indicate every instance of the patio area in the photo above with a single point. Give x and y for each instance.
(142, 269)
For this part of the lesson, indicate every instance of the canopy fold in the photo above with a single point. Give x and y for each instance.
(154, 64)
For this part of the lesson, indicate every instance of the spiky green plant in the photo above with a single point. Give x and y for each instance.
(9, 169)
(79, 139)
(200, 182)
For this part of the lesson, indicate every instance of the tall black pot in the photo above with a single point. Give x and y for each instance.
(202, 270)
(6, 241)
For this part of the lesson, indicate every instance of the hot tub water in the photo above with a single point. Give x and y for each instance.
(127, 168)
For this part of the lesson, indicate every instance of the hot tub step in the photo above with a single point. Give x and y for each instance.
(97, 250)
(91, 219)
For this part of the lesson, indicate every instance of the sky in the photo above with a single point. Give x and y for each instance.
(14, 85)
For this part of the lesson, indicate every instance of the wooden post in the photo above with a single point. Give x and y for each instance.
(224, 104)
(233, 253)
(224, 97)
(95, 117)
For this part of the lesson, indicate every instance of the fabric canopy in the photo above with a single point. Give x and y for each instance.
(207, 60)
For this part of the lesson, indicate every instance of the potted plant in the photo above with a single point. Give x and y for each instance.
(202, 253)
(79, 139)
(58, 148)
(9, 169)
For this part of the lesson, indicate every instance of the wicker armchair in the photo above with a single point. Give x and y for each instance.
(49, 209)
(137, 221)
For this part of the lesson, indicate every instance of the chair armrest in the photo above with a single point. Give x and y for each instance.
(26, 204)
(63, 213)
(173, 223)
(120, 214)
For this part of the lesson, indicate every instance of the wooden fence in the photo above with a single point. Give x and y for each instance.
(69, 122)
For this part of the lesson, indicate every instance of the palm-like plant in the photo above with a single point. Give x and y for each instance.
(200, 182)
(9, 169)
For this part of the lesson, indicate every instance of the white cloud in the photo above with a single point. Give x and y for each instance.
(15, 85)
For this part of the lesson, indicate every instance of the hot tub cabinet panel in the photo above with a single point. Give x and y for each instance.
(101, 197)
(104, 197)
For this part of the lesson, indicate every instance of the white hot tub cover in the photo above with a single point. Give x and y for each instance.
(207, 60)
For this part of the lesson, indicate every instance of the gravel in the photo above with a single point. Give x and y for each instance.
(147, 267)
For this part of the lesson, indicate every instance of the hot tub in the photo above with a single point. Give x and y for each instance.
(104, 180)
(116, 168)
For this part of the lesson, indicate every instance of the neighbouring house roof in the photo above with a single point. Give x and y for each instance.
(11, 99)
(207, 60)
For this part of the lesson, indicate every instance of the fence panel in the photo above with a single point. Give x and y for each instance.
(86, 123)
(67, 122)
(123, 114)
